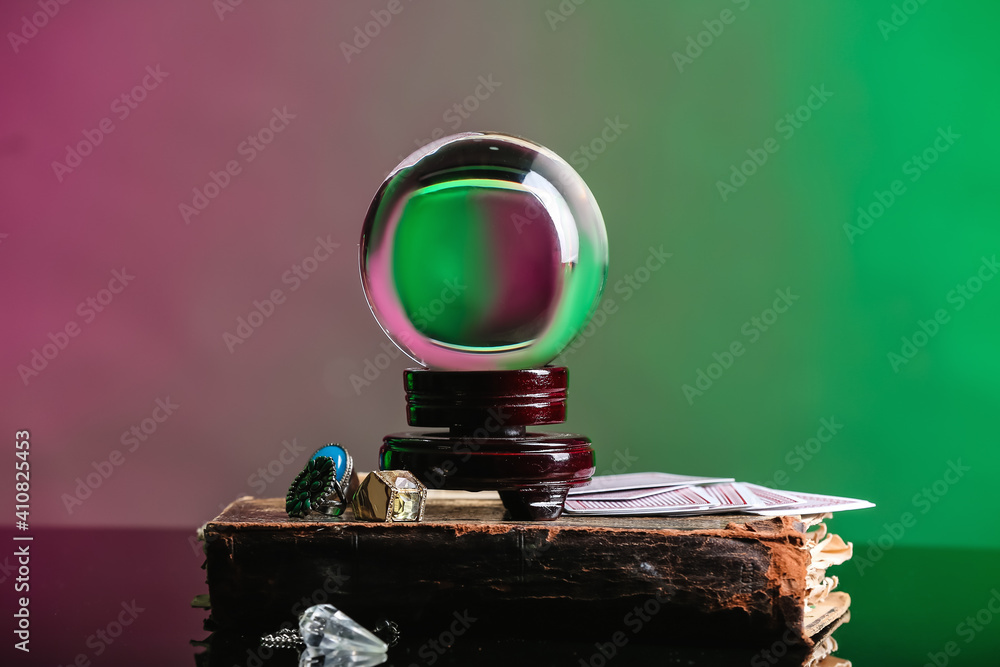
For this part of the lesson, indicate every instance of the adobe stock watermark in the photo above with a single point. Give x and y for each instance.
(958, 297)
(561, 13)
(223, 7)
(267, 474)
(786, 126)
(587, 153)
(581, 159)
(540, 543)
(30, 25)
(248, 149)
(87, 310)
(364, 34)
(752, 329)
(102, 638)
(797, 457)
(899, 17)
(373, 367)
(634, 621)
(776, 651)
(459, 112)
(621, 462)
(970, 628)
(437, 476)
(264, 309)
(923, 501)
(122, 107)
(258, 481)
(914, 168)
(627, 286)
(432, 650)
(697, 43)
(527, 217)
(133, 438)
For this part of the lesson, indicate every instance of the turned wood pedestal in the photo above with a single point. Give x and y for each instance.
(487, 445)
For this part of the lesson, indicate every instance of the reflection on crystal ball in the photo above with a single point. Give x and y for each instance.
(483, 251)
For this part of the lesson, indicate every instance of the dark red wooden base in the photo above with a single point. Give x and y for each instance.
(487, 446)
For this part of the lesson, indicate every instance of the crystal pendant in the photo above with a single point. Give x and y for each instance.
(326, 628)
(316, 657)
(483, 251)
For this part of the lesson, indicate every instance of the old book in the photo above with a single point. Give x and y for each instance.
(722, 580)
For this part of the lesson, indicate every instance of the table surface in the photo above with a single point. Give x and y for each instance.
(482, 509)
(906, 607)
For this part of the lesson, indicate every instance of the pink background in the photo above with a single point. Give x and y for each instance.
(162, 336)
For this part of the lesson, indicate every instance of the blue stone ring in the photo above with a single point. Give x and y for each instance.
(334, 503)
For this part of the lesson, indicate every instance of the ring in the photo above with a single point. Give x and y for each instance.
(313, 488)
(390, 495)
(323, 485)
(344, 464)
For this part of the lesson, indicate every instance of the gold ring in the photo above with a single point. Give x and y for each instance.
(390, 495)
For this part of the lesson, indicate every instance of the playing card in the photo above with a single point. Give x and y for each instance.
(676, 499)
(626, 494)
(771, 498)
(728, 497)
(656, 493)
(814, 503)
(639, 481)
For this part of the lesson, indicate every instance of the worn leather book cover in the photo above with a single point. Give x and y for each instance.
(722, 580)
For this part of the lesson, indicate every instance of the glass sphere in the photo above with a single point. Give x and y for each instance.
(483, 251)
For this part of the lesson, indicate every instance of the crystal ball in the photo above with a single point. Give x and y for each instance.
(483, 251)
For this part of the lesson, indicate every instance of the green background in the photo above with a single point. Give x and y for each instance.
(827, 356)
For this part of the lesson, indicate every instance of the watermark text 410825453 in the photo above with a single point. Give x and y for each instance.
(22, 541)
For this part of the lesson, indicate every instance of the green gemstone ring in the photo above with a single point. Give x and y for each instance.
(314, 489)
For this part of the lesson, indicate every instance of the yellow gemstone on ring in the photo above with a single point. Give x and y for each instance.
(390, 495)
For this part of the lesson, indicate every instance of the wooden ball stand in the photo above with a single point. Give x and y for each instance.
(487, 445)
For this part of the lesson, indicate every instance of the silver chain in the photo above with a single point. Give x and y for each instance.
(286, 638)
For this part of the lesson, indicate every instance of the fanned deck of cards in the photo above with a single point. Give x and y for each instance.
(685, 495)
